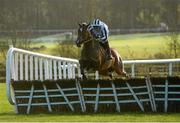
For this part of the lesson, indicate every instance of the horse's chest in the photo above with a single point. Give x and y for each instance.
(89, 54)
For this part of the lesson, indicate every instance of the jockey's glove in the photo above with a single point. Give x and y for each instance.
(99, 39)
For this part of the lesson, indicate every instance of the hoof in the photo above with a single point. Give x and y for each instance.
(84, 77)
(127, 76)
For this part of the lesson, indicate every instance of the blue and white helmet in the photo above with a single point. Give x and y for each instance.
(99, 29)
(96, 22)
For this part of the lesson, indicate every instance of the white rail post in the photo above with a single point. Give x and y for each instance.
(73, 71)
(64, 70)
(26, 67)
(170, 69)
(41, 69)
(21, 67)
(50, 69)
(46, 71)
(69, 70)
(59, 69)
(96, 75)
(133, 70)
(36, 68)
(10, 63)
(79, 71)
(31, 67)
(12, 67)
(55, 70)
(16, 67)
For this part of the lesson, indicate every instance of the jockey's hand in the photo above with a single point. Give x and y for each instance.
(97, 36)
(98, 39)
(78, 45)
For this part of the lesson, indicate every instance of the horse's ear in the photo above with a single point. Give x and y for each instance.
(88, 24)
(80, 25)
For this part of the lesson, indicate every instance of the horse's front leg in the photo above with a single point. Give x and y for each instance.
(82, 69)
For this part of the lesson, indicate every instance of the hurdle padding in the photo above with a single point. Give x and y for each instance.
(47, 96)
(166, 93)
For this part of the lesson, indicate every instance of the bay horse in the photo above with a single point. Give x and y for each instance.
(93, 55)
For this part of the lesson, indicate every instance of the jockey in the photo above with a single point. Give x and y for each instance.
(99, 30)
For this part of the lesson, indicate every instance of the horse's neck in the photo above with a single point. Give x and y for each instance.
(92, 45)
(93, 51)
(90, 50)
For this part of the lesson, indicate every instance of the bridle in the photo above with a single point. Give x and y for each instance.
(86, 41)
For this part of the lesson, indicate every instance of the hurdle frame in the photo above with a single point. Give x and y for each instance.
(23, 65)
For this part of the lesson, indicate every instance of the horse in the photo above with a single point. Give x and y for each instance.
(93, 55)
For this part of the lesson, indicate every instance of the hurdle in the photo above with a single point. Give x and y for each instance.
(42, 83)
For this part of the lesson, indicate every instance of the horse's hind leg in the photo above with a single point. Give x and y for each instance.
(120, 69)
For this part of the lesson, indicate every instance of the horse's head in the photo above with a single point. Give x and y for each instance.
(83, 34)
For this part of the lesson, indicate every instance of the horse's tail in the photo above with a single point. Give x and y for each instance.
(118, 64)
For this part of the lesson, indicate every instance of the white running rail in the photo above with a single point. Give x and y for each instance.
(169, 62)
(26, 65)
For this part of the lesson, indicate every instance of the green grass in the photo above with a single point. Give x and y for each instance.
(139, 46)
(128, 117)
(7, 114)
(130, 46)
(49, 47)
(5, 107)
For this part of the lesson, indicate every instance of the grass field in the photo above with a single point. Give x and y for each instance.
(130, 46)
(7, 115)
(139, 45)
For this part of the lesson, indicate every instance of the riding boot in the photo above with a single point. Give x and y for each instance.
(108, 50)
(108, 57)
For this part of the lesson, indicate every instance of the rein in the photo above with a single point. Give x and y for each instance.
(86, 41)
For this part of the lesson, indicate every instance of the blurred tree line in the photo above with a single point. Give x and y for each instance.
(65, 14)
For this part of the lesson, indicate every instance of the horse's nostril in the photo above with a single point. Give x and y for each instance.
(78, 43)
